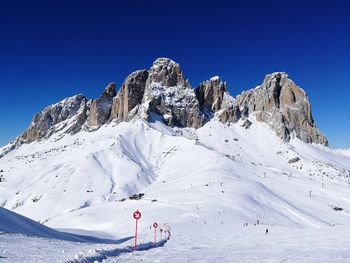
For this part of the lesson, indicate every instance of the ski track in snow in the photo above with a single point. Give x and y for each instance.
(102, 254)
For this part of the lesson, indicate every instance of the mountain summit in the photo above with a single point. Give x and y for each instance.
(164, 93)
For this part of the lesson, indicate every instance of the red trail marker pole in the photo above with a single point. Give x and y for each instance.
(155, 225)
(161, 234)
(137, 216)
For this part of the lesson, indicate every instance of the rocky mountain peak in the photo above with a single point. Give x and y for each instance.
(162, 91)
(170, 96)
(166, 72)
(284, 106)
(67, 115)
(109, 91)
(274, 82)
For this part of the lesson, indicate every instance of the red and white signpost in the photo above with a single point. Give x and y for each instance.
(155, 225)
(161, 233)
(137, 216)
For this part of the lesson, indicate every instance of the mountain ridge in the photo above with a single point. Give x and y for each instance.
(163, 90)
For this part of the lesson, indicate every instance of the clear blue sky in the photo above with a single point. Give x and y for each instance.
(53, 49)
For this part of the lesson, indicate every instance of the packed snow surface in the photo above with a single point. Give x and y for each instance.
(206, 184)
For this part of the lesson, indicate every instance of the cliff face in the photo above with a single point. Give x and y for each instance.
(214, 98)
(129, 95)
(100, 109)
(210, 94)
(284, 106)
(170, 96)
(68, 115)
(163, 91)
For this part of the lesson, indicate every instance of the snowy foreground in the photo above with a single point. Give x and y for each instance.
(205, 184)
(222, 244)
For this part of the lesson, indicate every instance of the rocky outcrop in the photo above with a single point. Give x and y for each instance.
(284, 106)
(213, 97)
(246, 124)
(210, 94)
(100, 109)
(170, 96)
(230, 114)
(166, 72)
(129, 95)
(68, 115)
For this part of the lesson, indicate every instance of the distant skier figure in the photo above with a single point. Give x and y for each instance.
(267, 231)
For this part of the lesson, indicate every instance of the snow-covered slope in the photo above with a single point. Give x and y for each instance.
(218, 175)
(249, 167)
(344, 151)
(17, 224)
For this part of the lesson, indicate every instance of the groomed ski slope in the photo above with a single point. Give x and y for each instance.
(205, 183)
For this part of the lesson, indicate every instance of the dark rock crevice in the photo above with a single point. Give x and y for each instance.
(277, 90)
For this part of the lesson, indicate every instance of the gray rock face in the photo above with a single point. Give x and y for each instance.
(246, 124)
(68, 114)
(169, 95)
(100, 109)
(230, 114)
(284, 107)
(167, 73)
(210, 94)
(213, 97)
(129, 95)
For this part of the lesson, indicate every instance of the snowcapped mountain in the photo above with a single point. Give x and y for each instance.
(196, 159)
(162, 90)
